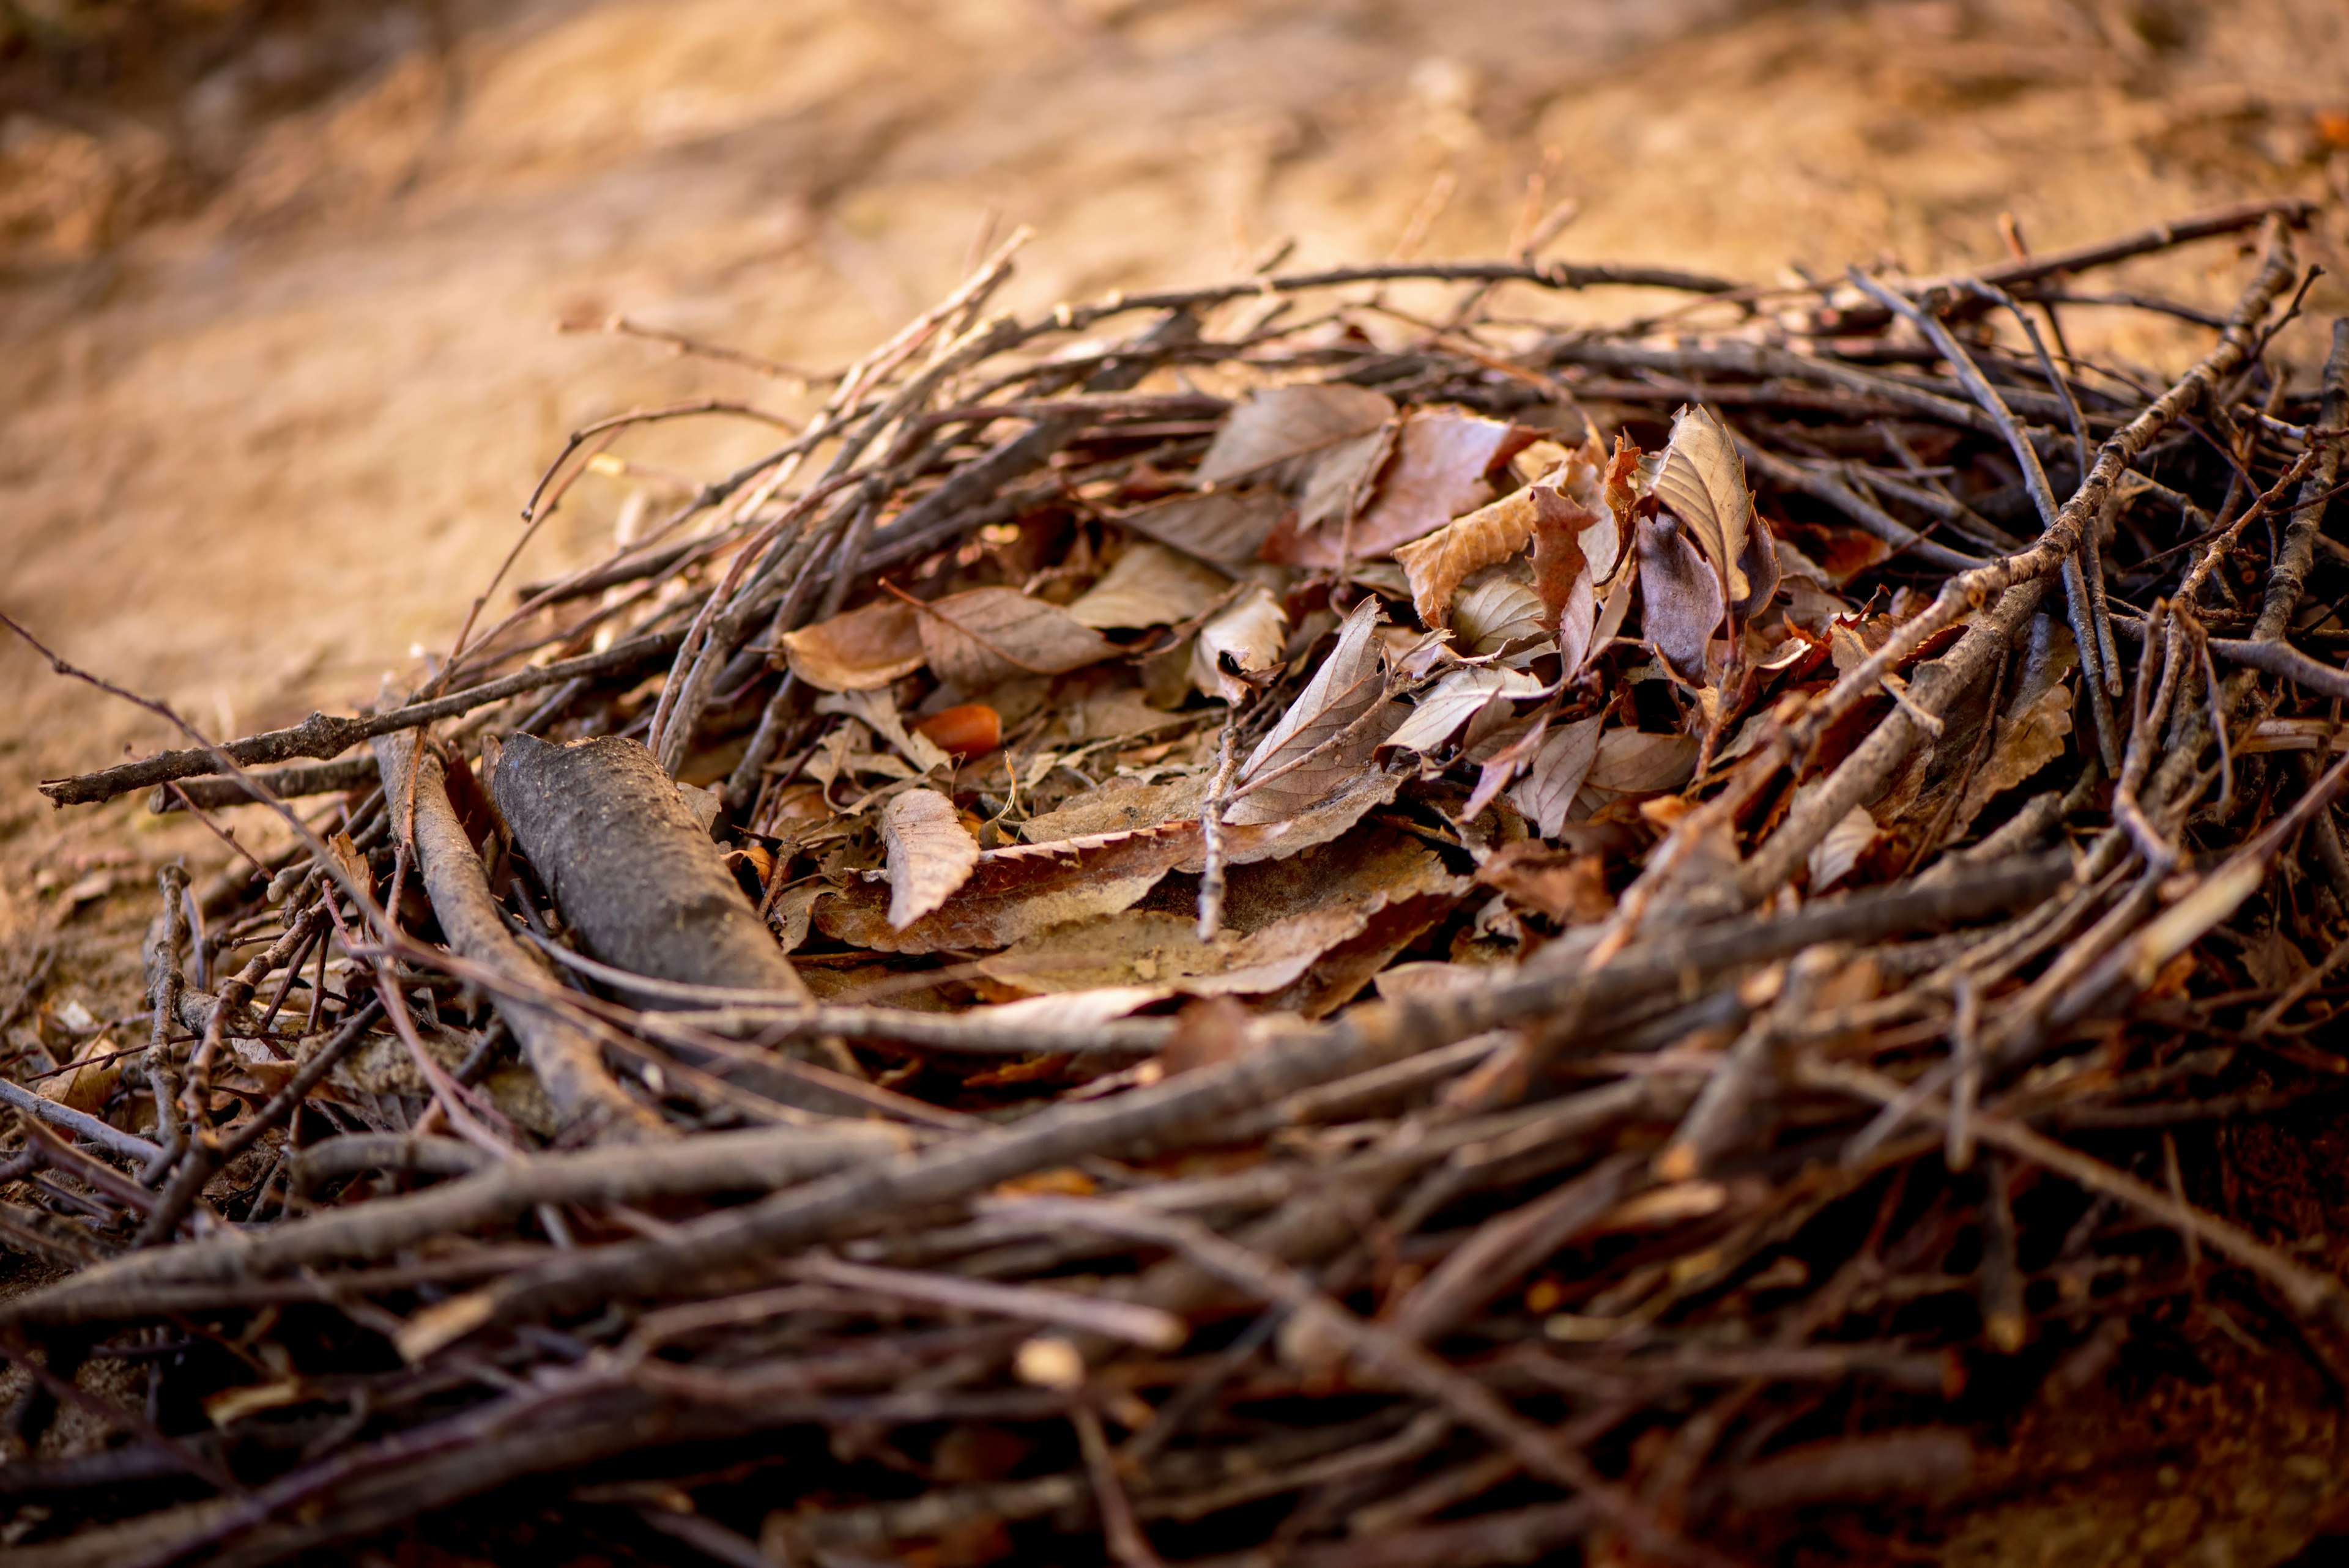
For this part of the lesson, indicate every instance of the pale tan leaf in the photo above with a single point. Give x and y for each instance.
(1225, 527)
(1556, 773)
(1248, 633)
(1121, 805)
(1832, 857)
(1633, 762)
(931, 854)
(1455, 700)
(1149, 585)
(1075, 1009)
(1435, 565)
(1702, 480)
(1349, 685)
(989, 634)
(1495, 614)
(859, 650)
(1015, 892)
(1284, 422)
(878, 711)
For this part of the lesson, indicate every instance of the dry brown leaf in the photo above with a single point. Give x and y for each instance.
(1248, 634)
(1015, 892)
(859, 650)
(1435, 566)
(1020, 890)
(1295, 772)
(1570, 889)
(1702, 480)
(1495, 614)
(1561, 573)
(1459, 697)
(2035, 730)
(1159, 947)
(1341, 481)
(1437, 474)
(1121, 805)
(878, 711)
(1149, 585)
(1832, 857)
(1280, 423)
(1228, 528)
(1442, 457)
(1679, 599)
(931, 854)
(1075, 1009)
(1556, 773)
(988, 634)
(1633, 762)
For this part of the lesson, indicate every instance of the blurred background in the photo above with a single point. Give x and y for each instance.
(281, 282)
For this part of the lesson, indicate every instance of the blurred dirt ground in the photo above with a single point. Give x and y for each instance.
(279, 284)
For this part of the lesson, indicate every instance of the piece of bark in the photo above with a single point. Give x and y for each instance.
(567, 1058)
(638, 882)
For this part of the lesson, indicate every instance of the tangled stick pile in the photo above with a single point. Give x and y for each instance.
(1353, 928)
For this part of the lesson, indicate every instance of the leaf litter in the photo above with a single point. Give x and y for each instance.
(1670, 938)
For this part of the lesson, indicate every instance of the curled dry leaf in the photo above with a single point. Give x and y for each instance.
(1294, 768)
(991, 634)
(1495, 615)
(1248, 634)
(1149, 585)
(931, 853)
(1555, 775)
(858, 650)
(1680, 598)
(1282, 423)
(1436, 565)
(878, 709)
(1702, 480)
(1459, 697)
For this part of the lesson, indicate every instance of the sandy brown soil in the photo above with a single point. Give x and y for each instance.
(277, 357)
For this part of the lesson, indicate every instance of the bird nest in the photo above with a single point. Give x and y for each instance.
(1305, 921)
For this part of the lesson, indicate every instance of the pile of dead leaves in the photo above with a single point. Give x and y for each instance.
(1301, 934)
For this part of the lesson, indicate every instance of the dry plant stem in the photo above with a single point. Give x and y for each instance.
(1211, 830)
(324, 735)
(1874, 518)
(499, 1193)
(2018, 578)
(128, 1146)
(2307, 1292)
(2034, 478)
(568, 1062)
(2288, 576)
(1379, 1349)
(1202, 1105)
